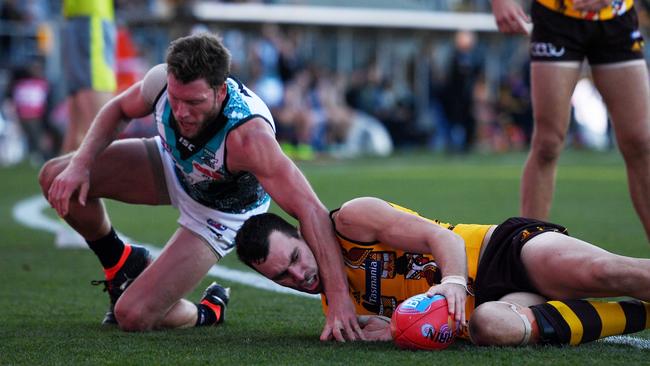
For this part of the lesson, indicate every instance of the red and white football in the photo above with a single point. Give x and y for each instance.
(422, 322)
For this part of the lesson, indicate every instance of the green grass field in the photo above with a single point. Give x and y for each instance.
(49, 313)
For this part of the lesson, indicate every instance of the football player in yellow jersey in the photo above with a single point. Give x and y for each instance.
(565, 32)
(508, 271)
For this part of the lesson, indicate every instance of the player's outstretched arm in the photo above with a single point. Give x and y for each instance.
(75, 178)
(252, 147)
(370, 219)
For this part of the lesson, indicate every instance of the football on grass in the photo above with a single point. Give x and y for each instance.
(422, 322)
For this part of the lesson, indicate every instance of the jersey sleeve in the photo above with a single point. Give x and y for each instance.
(154, 82)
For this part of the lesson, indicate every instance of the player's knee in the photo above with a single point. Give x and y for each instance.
(132, 319)
(548, 147)
(48, 172)
(635, 147)
(496, 324)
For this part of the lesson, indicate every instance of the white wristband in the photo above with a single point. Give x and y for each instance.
(458, 280)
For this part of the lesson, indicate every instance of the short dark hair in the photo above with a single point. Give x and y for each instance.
(198, 56)
(252, 240)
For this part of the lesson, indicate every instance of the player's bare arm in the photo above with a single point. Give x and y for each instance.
(510, 16)
(252, 147)
(371, 219)
(75, 177)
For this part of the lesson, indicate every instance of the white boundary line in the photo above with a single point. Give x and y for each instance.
(30, 213)
(640, 343)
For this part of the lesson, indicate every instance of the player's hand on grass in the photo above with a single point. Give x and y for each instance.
(375, 328)
(341, 323)
(73, 179)
(590, 5)
(456, 296)
(510, 17)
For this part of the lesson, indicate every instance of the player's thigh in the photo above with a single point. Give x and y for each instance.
(626, 92)
(552, 84)
(178, 269)
(561, 266)
(130, 172)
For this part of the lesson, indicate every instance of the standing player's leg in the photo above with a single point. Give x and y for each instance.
(626, 92)
(552, 85)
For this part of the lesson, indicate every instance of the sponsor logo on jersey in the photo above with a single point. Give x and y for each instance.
(187, 144)
(214, 174)
(209, 158)
(373, 280)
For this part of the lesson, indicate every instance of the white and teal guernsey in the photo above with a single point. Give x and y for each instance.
(200, 163)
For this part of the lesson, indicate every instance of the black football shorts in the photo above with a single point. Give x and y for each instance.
(501, 270)
(557, 37)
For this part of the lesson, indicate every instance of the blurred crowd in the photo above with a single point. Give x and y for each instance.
(319, 109)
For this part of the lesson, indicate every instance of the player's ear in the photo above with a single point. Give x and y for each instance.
(221, 92)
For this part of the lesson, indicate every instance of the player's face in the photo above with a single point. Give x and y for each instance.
(291, 263)
(193, 104)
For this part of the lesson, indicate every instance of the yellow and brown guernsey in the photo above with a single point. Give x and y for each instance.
(616, 8)
(381, 277)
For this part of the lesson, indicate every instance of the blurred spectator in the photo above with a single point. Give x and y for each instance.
(12, 145)
(295, 118)
(514, 117)
(458, 91)
(351, 133)
(29, 93)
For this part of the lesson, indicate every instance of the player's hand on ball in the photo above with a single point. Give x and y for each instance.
(456, 296)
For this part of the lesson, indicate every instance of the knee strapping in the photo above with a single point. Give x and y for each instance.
(527, 326)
